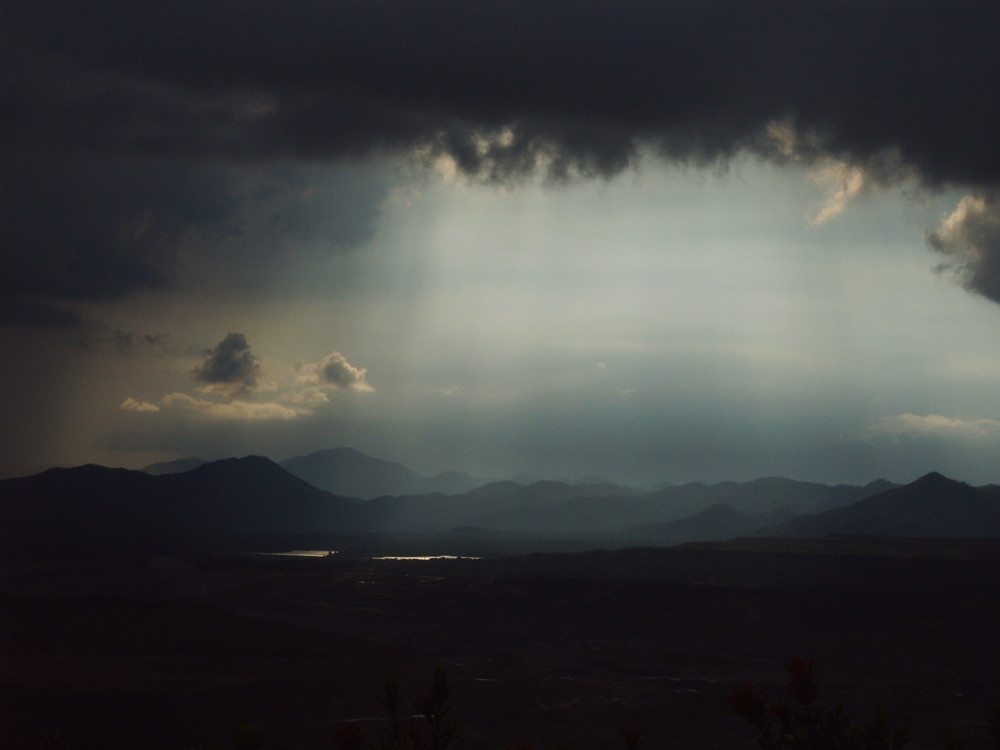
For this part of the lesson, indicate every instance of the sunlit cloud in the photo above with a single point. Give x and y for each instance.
(131, 404)
(970, 239)
(230, 369)
(790, 142)
(233, 410)
(915, 425)
(333, 370)
(844, 183)
(305, 397)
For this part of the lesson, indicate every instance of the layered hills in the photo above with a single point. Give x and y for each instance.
(256, 496)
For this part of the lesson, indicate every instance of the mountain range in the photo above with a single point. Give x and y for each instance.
(349, 472)
(256, 496)
(234, 496)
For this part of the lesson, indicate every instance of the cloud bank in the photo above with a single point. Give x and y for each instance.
(231, 370)
(138, 138)
(928, 425)
(232, 410)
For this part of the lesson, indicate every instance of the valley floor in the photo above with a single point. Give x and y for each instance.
(124, 652)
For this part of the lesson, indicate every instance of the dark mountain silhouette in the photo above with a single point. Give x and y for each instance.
(345, 471)
(251, 495)
(932, 506)
(86, 500)
(254, 495)
(174, 467)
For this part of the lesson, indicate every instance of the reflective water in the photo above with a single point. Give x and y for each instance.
(423, 557)
(300, 553)
(332, 552)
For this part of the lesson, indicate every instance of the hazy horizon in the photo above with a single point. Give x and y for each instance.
(655, 242)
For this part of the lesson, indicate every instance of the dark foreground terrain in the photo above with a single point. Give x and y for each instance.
(125, 650)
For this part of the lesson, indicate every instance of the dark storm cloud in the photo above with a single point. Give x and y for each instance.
(230, 367)
(95, 227)
(504, 89)
(98, 226)
(20, 310)
(586, 79)
(127, 342)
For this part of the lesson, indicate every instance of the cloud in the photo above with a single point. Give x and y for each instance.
(230, 368)
(131, 404)
(126, 162)
(700, 81)
(333, 370)
(970, 239)
(846, 181)
(306, 397)
(915, 425)
(233, 410)
(125, 342)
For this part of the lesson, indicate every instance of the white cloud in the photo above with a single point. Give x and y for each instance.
(333, 370)
(915, 425)
(237, 371)
(235, 410)
(131, 404)
(844, 182)
(306, 397)
(792, 143)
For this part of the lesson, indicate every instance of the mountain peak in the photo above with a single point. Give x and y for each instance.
(934, 479)
(227, 466)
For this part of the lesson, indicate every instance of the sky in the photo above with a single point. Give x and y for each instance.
(673, 241)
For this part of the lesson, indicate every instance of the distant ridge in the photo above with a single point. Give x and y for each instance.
(931, 506)
(178, 466)
(254, 495)
(346, 471)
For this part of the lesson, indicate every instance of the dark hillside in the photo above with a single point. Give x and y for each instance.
(251, 495)
(932, 506)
